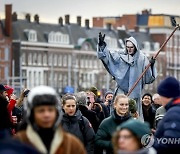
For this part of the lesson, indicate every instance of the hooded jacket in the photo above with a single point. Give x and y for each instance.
(73, 125)
(126, 69)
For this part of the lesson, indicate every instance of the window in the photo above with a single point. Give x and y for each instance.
(35, 79)
(30, 79)
(29, 58)
(65, 60)
(55, 60)
(60, 81)
(45, 78)
(64, 80)
(58, 37)
(31, 35)
(6, 56)
(55, 79)
(86, 62)
(39, 59)
(39, 78)
(23, 58)
(6, 72)
(60, 60)
(50, 59)
(44, 59)
(90, 62)
(34, 58)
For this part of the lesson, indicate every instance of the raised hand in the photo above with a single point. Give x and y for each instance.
(101, 39)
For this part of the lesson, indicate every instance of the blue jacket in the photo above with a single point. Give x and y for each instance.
(167, 136)
(126, 69)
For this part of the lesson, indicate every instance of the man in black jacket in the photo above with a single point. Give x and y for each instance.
(167, 136)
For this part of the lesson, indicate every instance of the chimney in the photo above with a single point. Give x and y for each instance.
(8, 20)
(28, 17)
(108, 25)
(87, 23)
(79, 20)
(36, 19)
(67, 19)
(14, 16)
(136, 28)
(61, 21)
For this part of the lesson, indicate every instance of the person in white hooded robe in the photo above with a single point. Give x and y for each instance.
(126, 66)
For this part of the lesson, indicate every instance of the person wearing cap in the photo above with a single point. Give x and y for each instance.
(126, 66)
(167, 135)
(130, 136)
(43, 130)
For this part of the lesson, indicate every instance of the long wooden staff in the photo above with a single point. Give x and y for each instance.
(140, 77)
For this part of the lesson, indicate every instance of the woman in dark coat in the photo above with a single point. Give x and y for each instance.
(76, 124)
(109, 125)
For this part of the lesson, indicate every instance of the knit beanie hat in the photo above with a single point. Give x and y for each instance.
(94, 90)
(108, 92)
(136, 126)
(169, 88)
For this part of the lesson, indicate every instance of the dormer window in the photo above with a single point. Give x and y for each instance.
(31, 35)
(58, 37)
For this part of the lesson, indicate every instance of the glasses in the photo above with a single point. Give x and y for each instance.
(130, 47)
(125, 137)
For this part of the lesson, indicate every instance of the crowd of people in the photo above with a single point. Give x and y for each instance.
(41, 121)
(44, 122)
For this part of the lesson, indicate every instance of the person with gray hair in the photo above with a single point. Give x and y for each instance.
(82, 102)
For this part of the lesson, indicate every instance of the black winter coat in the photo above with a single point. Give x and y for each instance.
(91, 116)
(167, 136)
(73, 124)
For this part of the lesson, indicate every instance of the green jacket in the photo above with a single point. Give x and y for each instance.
(106, 129)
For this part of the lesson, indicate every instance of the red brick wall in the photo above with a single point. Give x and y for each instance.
(128, 20)
(159, 38)
(98, 22)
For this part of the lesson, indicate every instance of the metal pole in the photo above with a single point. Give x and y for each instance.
(147, 67)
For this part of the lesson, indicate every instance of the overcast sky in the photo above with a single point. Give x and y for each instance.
(51, 10)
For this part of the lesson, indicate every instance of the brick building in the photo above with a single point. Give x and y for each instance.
(5, 46)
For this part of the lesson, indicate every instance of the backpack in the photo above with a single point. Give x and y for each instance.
(82, 128)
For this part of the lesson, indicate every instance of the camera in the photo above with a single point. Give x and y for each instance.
(88, 101)
(109, 102)
(26, 92)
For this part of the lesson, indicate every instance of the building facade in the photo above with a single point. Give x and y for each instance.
(5, 46)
